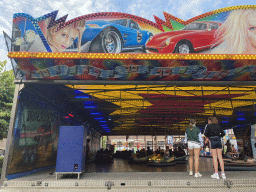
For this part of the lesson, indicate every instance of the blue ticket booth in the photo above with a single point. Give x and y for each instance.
(71, 150)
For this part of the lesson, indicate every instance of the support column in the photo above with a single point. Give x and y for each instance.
(101, 141)
(9, 142)
(155, 141)
(145, 142)
(152, 144)
(93, 142)
(137, 141)
(253, 143)
(127, 144)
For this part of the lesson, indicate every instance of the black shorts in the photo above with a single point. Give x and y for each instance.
(216, 144)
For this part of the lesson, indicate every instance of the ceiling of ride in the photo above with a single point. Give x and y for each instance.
(160, 110)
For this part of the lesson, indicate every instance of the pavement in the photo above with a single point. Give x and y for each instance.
(120, 176)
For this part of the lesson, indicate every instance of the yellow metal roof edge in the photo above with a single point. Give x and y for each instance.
(129, 56)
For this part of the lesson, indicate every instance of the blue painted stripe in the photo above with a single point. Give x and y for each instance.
(22, 174)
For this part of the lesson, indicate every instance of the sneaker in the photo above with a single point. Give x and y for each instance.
(198, 174)
(190, 173)
(215, 176)
(223, 176)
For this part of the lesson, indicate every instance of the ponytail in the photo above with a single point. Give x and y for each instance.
(213, 120)
(191, 123)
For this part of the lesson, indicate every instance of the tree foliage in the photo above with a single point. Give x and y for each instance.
(6, 98)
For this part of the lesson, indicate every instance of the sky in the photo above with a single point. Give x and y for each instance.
(183, 9)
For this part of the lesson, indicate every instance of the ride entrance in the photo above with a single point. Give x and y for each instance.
(119, 74)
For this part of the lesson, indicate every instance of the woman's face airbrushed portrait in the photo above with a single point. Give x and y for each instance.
(251, 29)
(63, 38)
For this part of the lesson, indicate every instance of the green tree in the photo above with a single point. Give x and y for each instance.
(6, 98)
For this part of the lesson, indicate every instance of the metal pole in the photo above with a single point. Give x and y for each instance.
(165, 140)
(127, 145)
(145, 142)
(152, 144)
(155, 141)
(9, 142)
(100, 141)
(107, 142)
(137, 142)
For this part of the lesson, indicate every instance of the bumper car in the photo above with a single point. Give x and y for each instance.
(180, 160)
(139, 159)
(117, 154)
(126, 154)
(103, 157)
(160, 161)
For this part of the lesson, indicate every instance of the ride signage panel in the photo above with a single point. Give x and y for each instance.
(139, 70)
(218, 45)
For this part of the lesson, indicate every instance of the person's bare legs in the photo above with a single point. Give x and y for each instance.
(214, 158)
(196, 155)
(219, 153)
(191, 157)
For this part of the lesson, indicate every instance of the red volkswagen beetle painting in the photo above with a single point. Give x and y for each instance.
(194, 37)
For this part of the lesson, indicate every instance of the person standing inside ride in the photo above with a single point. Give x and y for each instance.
(214, 132)
(195, 141)
(229, 150)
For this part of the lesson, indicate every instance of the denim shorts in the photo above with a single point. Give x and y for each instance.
(216, 144)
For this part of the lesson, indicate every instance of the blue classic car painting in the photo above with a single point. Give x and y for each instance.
(112, 36)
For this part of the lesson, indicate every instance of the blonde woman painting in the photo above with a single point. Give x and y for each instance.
(61, 39)
(237, 35)
(195, 141)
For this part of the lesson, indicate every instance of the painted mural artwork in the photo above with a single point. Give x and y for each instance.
(35, 140)
(231, 32)
(140, 70)
(217, 32)
(83, 34)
